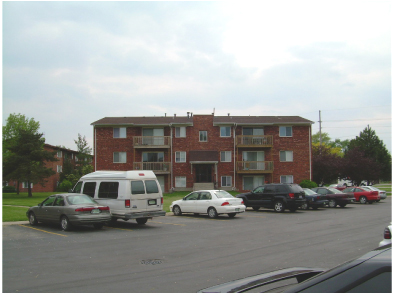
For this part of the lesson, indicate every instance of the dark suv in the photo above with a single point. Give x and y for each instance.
(277, 196)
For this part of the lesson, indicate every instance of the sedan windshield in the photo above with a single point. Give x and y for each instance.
(223, 194)
(80, 199)
(309, 192)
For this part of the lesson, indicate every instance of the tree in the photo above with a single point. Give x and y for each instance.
(374, 148)
(84, 152)
(337, 146)
(26, 159)
(15, 123)
(326, 166)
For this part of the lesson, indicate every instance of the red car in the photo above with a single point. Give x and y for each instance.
(362, 195)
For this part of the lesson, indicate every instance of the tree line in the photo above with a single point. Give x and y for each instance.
(364, 158)
(24, 156)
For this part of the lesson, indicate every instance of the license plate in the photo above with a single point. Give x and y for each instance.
(151, 202)
(95, 211)
(236, 209)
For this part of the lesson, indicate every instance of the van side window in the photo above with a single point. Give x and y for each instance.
(137, 187)
(108, 190)
(151, 187)
(77, 188)
(89, 188)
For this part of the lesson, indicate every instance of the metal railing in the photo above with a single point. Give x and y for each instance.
(153, 141)
(254, 140)
(255, 166)
(164, 167)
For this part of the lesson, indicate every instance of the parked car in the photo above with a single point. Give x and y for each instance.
(313, 200)
(211, 202)
(338, 186)
(382, 194)
(386, 236)
(277, 196)
(68, 210)
(371, 273)
(363, 195)
(334, 196)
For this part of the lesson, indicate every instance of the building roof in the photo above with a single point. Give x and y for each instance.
(188, 120)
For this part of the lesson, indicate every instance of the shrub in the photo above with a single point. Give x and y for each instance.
(308, 184)
(65, 186)
(9, 189)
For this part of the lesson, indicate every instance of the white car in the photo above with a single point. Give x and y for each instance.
(382, 194)
(211, 202)
(386, 236)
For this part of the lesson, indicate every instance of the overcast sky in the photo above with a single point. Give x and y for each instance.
(68, 64)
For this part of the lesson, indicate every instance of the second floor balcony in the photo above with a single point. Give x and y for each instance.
(152, 141)
(254, 140)
(253, 167)
(157, 167)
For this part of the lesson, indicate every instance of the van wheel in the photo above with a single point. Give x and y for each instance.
(279, 207)
(212, 213)
(177, 211)
(142, 221)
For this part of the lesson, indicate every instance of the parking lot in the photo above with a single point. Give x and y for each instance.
(187, 253)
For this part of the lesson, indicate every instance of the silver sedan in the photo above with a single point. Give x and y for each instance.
(68, 210)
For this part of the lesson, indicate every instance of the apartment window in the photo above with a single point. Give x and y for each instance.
(120, 132)
(252, 131)
(286, 156)
(286, 179)
(25, 184)
(120, 157)
(59, 154)
(225, 131)
(226, 181)
(59, 169)
(180, 131)
(285, 131)
(180, 157)
(153, 157)
(225, 156)
(180, 181)
(203, 136)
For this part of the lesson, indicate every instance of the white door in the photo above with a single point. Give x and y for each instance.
(161, 182)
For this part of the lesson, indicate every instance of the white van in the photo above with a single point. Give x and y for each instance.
(129, 194)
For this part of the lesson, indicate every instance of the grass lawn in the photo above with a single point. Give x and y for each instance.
(19, 213)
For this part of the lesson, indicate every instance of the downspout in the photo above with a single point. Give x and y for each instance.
(172, 164)
(234, 156)
(310, 153)
(95, 148)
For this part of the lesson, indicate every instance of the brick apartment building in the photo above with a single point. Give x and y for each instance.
(62, 154)
(206, 151)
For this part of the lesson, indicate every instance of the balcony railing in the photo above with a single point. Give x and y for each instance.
(254, 140)
(255, 167)
(151, 141)
(158, 167)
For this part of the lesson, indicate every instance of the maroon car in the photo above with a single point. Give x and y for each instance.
(335, 197)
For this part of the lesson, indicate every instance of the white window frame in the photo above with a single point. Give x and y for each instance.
(59, 169)
(288, 156)
(286, 179)
(59, 154)
(225, 129)
(122, 156)
(180, 157)
(225, 156)
(122, 132)
(203, 136)
(283, 131)
(180, 132)
(25, 185)
(228, 181)
(180, 181)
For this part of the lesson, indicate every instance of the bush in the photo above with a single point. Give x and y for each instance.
(65, 186)
(308, 184)
(9, 189)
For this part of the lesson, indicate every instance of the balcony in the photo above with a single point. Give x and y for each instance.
(156, 167)
(152, 141)
(254, 167)
(254, 141)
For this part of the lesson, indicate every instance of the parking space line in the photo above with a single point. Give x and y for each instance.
(48, 232)
(118, 228)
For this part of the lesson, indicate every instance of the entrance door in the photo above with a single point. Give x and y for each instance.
(203, 173)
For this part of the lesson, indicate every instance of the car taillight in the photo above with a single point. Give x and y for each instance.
(104, 208)
(242, 202)
(127, 203)
(225, 204)
(387, 233)
(162, 201)
(291, 195)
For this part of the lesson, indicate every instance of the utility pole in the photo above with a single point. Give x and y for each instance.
(320, 130)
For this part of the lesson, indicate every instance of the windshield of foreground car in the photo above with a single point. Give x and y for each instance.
(223, 194)
(80, 199)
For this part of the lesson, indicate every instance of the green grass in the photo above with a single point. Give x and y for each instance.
(19, 213)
